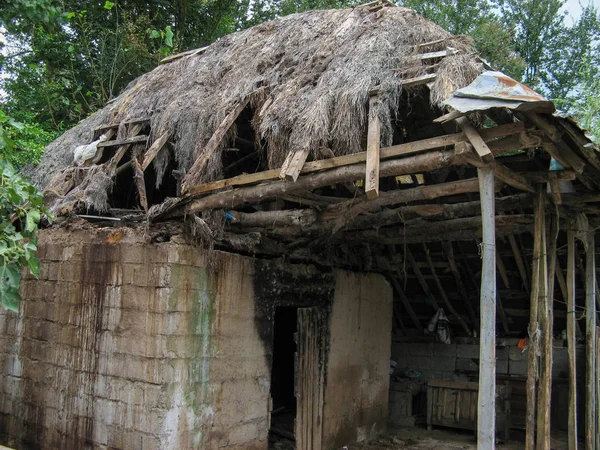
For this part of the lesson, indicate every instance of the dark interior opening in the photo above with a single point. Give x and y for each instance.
(283, 377)
(168, 186)
(124, 193)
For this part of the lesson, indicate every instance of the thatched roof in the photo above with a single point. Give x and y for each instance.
(308, 77)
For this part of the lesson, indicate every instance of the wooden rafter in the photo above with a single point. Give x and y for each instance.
(206, 153)
(373, 151)
(449, 252)
(442, 292)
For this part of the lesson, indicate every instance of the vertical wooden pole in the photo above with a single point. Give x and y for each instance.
(597, 385)
(486, 409)
(534, 331)
(373, 147)
(546, 314)
(590, 340)
(571, 340)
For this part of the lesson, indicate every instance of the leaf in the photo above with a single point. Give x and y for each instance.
(33, 218)
(154, 34)
(13, 275)
(10, 299)
(108, 5)
(34, 267)
(169, 36)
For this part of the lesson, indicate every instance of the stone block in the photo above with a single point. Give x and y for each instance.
(516, 354)
(444, 350)
(502, 353)
(422, 363)
(444, 363)
(467, 351)
(502, 366)
(467, 365)
(420, 350)
(518, 367)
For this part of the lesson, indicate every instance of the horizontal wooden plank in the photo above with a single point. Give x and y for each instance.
(132, 140)
(386, 153)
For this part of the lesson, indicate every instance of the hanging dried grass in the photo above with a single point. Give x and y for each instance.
(316, 68)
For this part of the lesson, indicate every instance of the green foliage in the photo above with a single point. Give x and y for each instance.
(21, 209)
(22, 142)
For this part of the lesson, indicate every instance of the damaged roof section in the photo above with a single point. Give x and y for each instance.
(497, 90)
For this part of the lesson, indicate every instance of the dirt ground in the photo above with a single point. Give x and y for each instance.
(437, 439)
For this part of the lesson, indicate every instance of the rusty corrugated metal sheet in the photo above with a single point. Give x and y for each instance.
(497, 90)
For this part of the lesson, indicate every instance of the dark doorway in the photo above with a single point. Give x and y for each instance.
(283, 375)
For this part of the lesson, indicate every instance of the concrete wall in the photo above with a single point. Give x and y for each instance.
(126, 345)
(356, 395)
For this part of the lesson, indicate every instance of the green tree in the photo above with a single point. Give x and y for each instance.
(21, 209)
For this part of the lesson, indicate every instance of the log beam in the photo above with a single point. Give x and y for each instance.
(571, 341)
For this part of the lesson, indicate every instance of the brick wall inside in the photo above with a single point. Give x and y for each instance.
(460, 362)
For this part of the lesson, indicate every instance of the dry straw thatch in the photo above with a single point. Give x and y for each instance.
(308, 75)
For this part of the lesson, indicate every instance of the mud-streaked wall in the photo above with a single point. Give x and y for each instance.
(356, 395)
(133, 346)
(126, 345)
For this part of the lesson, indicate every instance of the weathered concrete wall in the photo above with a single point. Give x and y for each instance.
(126, 345)
(356, 394)
(136, 346)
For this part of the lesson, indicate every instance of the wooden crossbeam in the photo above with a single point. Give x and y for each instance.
(373, 151)
(293, 164)
(116, 159)
(140, 139)
(476, 139)
(512, 178)
(394, 151)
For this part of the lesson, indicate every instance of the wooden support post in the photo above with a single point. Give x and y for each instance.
(486, 410)
(590, 341)
(373, 148)
(534, 331)
(571, 341)
(547, 277)
(442, 291)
